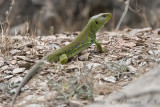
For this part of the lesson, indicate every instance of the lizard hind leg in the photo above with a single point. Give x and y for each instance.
(63, 59)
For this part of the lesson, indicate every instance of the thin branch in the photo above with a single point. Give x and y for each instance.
(123, 15)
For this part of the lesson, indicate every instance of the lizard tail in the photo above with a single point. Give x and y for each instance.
(27, 77)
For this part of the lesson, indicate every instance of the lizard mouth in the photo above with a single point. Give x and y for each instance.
(108, 17)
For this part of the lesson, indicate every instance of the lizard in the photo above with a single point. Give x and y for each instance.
(85, 38)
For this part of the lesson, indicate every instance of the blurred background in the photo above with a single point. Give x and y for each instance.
(44, 17)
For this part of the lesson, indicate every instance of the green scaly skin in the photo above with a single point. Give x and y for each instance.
(86, 38)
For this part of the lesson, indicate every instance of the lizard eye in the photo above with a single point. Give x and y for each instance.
(96, 22)
(103, 15)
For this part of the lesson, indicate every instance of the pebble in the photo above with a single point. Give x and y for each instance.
(90, 65)
(111, 79)
(18, 70)
(34, 105)
(8, 76)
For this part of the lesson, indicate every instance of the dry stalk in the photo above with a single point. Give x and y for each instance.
(140, 12)
(123, 15)
(5, 40)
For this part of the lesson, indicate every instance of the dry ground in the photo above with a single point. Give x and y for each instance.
(87, 77)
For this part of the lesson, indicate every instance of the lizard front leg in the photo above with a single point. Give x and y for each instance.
(98, 45)
(63, 59)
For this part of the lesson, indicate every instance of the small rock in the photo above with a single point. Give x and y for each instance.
(74, 103)
(40, 98)
(13, 62)
(71, 67)
(128, 61)
(29, 44)
(66, 43)
(106, 59)
(8, 72)
(29, 97)
(111, 79)
(153, 52)
(131, 68)
(53, 45)
(125, 77)
(143, 64)
(62, 105)
(51, 95)
(98, 76)
(19, 57)
(28, 52)
(99, 98)
(15, 51)
(5, 67)
(90, 65)
(84, 57)
(16, 80)
(133, 32)
(7, 77)
(39, 47)
(43, 86)
(23, 64)
(1, 63)
(18, 70)
(44, 38)
(34, 105)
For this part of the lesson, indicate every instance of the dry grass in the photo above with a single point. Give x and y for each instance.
(80, 86)
(5, 43)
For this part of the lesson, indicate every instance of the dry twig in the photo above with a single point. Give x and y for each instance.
(123, 15)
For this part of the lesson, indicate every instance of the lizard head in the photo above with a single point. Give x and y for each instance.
(98, 21)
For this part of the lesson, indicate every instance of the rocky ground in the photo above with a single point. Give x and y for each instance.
(86, 78)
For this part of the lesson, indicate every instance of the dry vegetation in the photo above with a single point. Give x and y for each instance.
(87, 76)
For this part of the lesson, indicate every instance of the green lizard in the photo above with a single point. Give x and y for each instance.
(86, 38)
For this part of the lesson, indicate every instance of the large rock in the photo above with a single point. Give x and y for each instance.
(143, 92)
